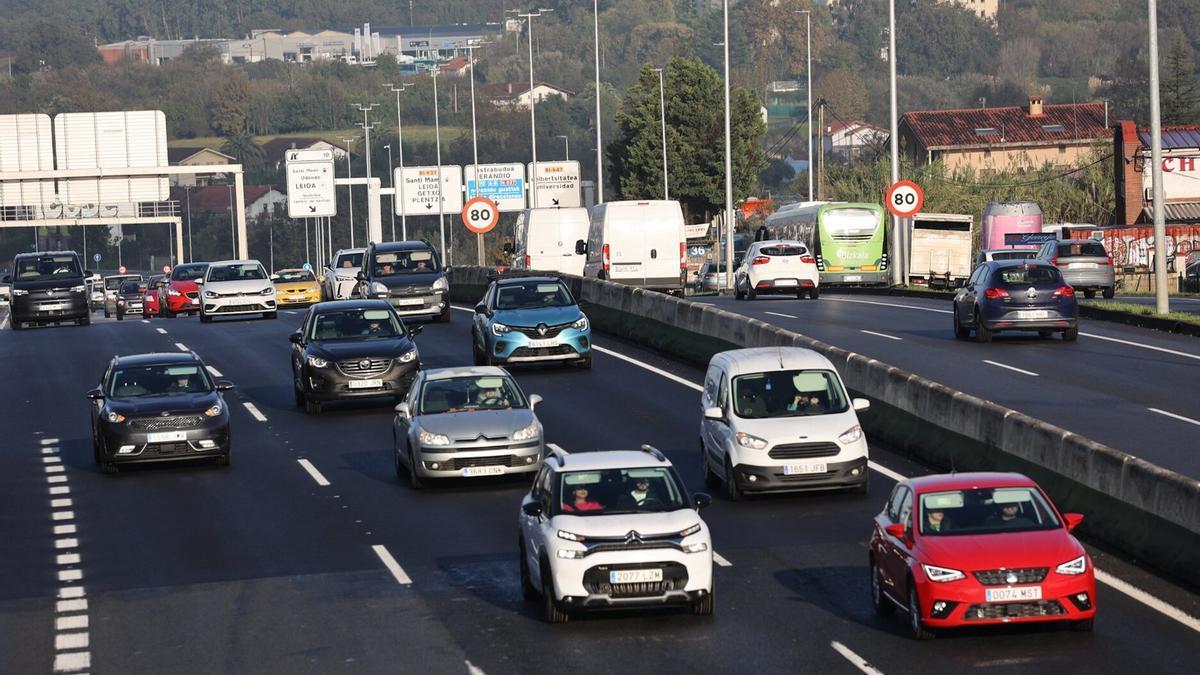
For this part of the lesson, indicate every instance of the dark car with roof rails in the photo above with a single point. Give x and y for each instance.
(408, 275)
(158, 408)
(48, 287)
(350, 349)
(1016, 295)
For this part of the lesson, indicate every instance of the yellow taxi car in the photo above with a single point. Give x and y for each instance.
(296, 287)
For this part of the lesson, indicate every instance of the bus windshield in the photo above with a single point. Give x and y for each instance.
(851, 224)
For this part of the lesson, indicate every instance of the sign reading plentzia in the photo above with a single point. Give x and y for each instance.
(418, 190)
(557, 184)
(504, 184)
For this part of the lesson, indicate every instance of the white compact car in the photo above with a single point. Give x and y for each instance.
(776, 267)
(341, 274)
(613, 529)
(236, 287)
(779, 419)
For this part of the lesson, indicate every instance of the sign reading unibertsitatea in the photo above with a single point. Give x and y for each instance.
(557, 184)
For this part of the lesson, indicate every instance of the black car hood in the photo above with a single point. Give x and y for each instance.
(154, 405)
(410, 279)
(64, 283)
(358, 349)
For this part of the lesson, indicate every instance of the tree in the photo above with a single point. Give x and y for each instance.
(230, 106)
(845, 93)
(249, 153)
(1129, 88)
(1180, 92)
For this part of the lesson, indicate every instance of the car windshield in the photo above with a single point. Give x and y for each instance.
(985, 511)
(619, 491)
(238, 272)
(533, 294)
(132, 287)
(1026, 275)
(392, 263)
(189, 272)
(47, 267)
(1081, 248)
(788, 393)
(114, 283)
(296, 275)
(158, 380)
(470, 393)
(347, 260)
(1013, 255)
(356, 324)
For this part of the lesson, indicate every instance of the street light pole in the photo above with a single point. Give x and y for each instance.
(437, 132)
(191, 251)
(808, 71)
(529, 17)
(474, 145)
(392, 184)
(728, 156)
(599, 148)
(367, 126)
(350, 189)
(1161, 302)
(898, 236)
(662, 113)
(400, 145)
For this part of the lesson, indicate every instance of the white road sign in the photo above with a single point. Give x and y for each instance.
(315, 155)
(311, 190)
(420, 188)
(557, 183)
(504, 184)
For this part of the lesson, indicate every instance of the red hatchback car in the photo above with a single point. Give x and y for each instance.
(181, 293)
(973, 549)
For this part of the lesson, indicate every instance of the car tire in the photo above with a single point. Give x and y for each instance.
(1071, 334)
(982, 334)
(814, 293)
(883, 606)
(1084, 626)
(1110, 293)
(585, 363)
(399, 464)
(444, 317)
(550, 607)
(731, 487)
(862, 489)
(414, 479)
(751, 294)
(711, 479)
(270, 315)
(1089, 293)
(737, 291)
(915, 625)
(224, 460)
(528, 592)
(312, 406)
(960, 332)
(85, 321)
(120, 316)
(298, 394)
(705, 606)
(204, 318)
(106, 314)
(108, 468)
(16, 325)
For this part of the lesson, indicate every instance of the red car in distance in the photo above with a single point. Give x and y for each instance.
(974, 549)
(181, 294)
(151, 304)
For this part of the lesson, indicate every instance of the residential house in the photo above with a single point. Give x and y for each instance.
(516, 94)
(275, 150)
(198, 157)
(260, 199)
(848, 138)
(1134, 178)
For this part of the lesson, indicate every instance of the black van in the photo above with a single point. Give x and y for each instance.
(48, 287)
(410, 276)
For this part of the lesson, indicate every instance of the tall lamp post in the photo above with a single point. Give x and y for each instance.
(808, 71)
(392, 184)
(366, 126)
(529, 17)
(1162, 304)
(471, 47)
(728, 155)
(437, 135)
(599, 148)
(400, 150)
(662, 114)
(350, 190)
(898, 234)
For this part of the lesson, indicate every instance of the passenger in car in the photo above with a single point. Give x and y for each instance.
(1009, 515)
(580, 501)
(935, 521)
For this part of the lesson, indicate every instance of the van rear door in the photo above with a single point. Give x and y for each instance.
(550, 238)
(663, 242)
(624, 235)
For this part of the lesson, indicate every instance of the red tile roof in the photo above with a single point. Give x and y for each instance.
(957, 128)
(457, 64)
(215, 197)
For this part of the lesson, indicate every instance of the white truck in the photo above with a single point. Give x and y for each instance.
(639, 243)
(940, 252)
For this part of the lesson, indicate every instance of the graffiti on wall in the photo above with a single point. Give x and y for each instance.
(1135, 245)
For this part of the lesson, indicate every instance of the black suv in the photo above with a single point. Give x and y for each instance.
(409, 275)
(48, 287)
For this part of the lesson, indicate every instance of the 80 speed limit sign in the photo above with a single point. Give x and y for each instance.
(480, 215)
(905, 199)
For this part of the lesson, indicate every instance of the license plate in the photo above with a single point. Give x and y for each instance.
(635, 576)
(1033, 314)
(852, 277)
(365, 384)
(410, 301)
(801, 469)
(785, 282)
(482, 471)
(167, 436)
(540, 344)
(297, 298)
(51, 308)
(1083, 266)
(1016, 593)
(627, 267)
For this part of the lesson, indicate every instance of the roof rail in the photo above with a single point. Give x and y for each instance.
(560, 455)
(655, 452)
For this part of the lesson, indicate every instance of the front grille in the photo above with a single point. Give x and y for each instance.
(169, 449)
(804, 450)
(551, 331)
(675, 578)
(364, 367)
(1015, 610)
(238, 308)
(192, 296)
(669, 543)
(458, 463)
(165, 423)
(409, 291)
(557, 350)
(1026, 575)
(804, 477)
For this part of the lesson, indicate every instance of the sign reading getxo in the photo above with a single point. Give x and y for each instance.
(311, 189)
(480, 215)
(417, 190)
(905, 199)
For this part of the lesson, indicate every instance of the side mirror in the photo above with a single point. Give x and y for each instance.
(414, 331)
(1073, 520)
(861, 404)
(97, 395)
(580, 247)
(897, 530)
(508, 248)
(701, 500)
(200, 282)
(161, 284)
(296, 338)
(361, 276)
(532, 509)
(224, 385)
(481, 308)
(7, 279)
(448, 270)
(401, 409)
(274, 277)
(534, 399)
(88, 273)
(714, 413)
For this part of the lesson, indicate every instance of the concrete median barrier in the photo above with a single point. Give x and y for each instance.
(1132, 505)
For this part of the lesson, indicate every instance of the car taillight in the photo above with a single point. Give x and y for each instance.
(1110, 261)
(994, 293)
(1064, 292)
(605, 261)
(682, 256)
(760, 260)
(526, 262)
(1054, 260)
(808, 260)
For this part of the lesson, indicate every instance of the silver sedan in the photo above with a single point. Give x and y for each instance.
(464, 423)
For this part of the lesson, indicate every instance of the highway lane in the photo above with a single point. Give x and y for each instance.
(796, 584)
(1118, 385)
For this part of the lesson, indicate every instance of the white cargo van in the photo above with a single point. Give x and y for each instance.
(545, 240)
(640, 243)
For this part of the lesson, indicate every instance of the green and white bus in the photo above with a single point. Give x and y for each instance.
(848, 239)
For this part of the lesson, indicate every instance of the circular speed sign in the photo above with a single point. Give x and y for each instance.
(122, 270)
(480, 215)
(905, 199)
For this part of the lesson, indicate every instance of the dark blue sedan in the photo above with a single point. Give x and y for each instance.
(1012, 295)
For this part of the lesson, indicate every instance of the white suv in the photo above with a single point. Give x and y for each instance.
(341, 274)
(236, 287)
(779, 419)
(777, 267)
(613, 529)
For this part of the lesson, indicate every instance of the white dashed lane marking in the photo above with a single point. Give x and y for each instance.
(720, 560)
(181, 347)
(161, 331)
(214, 371)
(390, 563)
(854, 659)
(882, 335)
(254, 411)
(786, 316)
(1012, 368)
(1174, 416)
(312, 471)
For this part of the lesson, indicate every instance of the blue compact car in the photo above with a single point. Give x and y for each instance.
(530, 320)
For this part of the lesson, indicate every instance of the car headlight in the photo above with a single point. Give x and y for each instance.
(19, 291)
(408, 356)
(571, 555)
(121, 302)
(149, 298)
(942, 574)
(213, 411)
(269, 290)
(428, 438)
(317, 362)
(695, 548)
(851, 435)
(441, 285)
(690, 531)
(571, 536)
(748, 441)
(528, 433)
(499, 329)
(1073, 567)
(378, 288)
(115, 417)
(79, 289)
(581, 324)
(173, 293)
(211, 294)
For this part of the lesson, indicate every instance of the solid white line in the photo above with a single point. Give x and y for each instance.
(56, 479)
(647, 366)
(312, 471)
(60, 490)
(390, 563)
(786, 316)
(1148, 600)
(61, 503)
(1151, 347)
(64, 529)
(69, 662)
(1173, 415)
(70, 575)
(720, 560)
(63, 515)
(214, 371)
(67, 559)
(882, 335)
(473, 669)
(254, 411)
(71, 592)
(66, 543)
(76, 605)
(74, 622)
(181, 347)
(4, 322)
(855, 660)
(65, 641)
(1012, 368)
(161, 331)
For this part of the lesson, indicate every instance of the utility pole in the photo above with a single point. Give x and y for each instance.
(437, 131)
(350, 190)
(808, 72)
(1162, 303)
(728, 157)
(821, 150)
(599, 148)
(366, 126)
(474, 143)
(662, 115)
(400, 145)
(392, 184)
(191, 252)
(566, 146)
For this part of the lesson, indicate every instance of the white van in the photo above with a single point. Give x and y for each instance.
(640, 243)
(545, 240)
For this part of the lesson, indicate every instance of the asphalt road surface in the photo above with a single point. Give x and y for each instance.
(260, 568)
(1132, 389)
